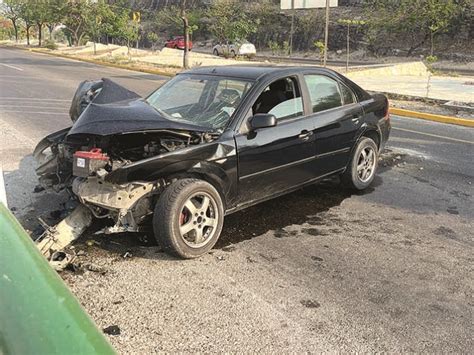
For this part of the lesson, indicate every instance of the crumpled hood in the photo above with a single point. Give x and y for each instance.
(117, 110)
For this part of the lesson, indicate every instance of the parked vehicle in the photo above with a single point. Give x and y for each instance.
(234, 49)
(210, 142)
(178, 43)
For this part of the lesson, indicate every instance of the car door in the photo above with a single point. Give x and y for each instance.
(274, 159)
(337, 117)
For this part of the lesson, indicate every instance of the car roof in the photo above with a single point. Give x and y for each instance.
(253, 72)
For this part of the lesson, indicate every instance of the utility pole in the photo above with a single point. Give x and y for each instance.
(348, 44)
(186, 34)
(290, 49)
(326, 34)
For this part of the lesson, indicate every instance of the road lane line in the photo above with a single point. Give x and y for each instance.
(32, 99)
(11, 66)
(3, 191)
(39, 106)
(432, 135)
(37, 112)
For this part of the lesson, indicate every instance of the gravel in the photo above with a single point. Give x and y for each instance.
(318, 270)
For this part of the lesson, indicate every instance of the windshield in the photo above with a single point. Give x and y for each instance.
(207, 101)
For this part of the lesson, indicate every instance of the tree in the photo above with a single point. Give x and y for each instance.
(349, 23)
(184, 18)
(79, 14)
(230, 22)
(39, 12)
(25, 12)
(98, 20)
(11, 9)
(121, 26)
(56, 11)
(417, 21)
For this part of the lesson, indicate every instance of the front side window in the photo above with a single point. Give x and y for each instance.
(281, 98)
(206, 101)
(324, 92)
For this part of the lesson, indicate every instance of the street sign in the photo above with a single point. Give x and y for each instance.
(136, 16)
(306, 4)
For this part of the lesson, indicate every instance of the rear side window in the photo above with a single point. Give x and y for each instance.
(347, 95)
(324, 92)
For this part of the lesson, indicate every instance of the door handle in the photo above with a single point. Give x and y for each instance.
(305, 135)
(355, 119)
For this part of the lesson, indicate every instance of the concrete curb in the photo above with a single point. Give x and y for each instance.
(3, 192)
(432, 117)
(98, 62)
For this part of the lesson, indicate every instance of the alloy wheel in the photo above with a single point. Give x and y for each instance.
(198, 220)
(366, 164)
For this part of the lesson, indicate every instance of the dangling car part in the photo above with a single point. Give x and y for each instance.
(209, 142)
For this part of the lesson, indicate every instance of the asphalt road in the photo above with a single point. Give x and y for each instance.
(318, 270)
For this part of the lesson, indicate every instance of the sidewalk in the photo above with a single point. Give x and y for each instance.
(413, 79)
(441, 87)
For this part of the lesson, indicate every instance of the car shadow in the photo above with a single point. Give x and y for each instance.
(299, 207)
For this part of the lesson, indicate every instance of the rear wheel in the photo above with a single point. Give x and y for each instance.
(188, 218)
(361, 171)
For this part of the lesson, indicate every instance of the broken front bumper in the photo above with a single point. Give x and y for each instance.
(127, 204)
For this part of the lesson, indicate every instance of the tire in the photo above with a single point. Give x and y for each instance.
(216, 52)
(172, 218)
(363, 166)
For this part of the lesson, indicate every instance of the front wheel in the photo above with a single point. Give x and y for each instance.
(188, 218)
(361, 171)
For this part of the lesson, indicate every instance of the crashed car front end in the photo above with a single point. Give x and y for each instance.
(92, 161)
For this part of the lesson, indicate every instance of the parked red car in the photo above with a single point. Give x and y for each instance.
(178, 43)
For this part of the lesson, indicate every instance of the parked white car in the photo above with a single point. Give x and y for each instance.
(234, 49)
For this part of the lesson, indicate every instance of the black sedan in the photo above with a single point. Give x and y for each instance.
(209, 142)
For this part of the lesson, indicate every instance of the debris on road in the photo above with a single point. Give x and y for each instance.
(127, 255)
(229, 248)
(310, 304)
(53, 241)
(38, 188)
(112, 330)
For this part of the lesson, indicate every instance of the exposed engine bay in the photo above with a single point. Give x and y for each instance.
(80, 159)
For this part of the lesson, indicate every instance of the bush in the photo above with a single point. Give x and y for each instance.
(50, 44)
(274, 47)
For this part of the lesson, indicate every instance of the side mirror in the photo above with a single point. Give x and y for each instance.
(262, 120)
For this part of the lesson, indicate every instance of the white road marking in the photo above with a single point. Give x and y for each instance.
(18, 77)
(11, 66)
(433, 135)
(44, 105)
(32, 99)
(38, 112)
(3, 191)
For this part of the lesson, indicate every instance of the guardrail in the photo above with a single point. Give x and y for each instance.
(38, 313)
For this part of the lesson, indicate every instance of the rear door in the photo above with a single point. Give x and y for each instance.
(337, 117)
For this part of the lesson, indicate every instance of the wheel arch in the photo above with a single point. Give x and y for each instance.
(210, 178)
(373, 134)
